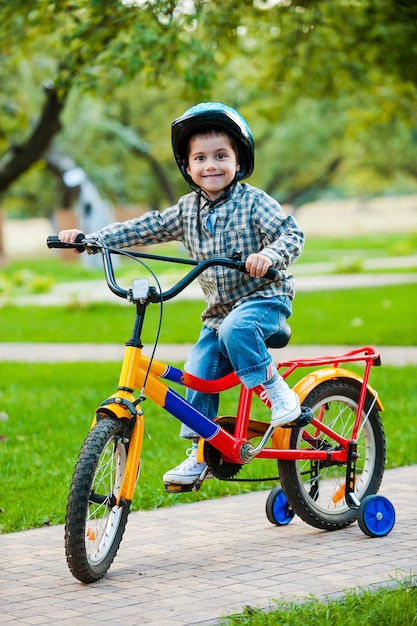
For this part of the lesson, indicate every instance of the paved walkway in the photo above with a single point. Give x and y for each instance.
(84, 291)
(174, 353)
(195, 563)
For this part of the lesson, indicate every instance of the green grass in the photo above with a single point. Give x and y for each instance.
(333, 249)
(49, 411)
(383, 607)
(380, 316)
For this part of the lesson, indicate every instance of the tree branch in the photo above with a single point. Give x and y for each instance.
(299, 196)
(21, 157)
(140, 148)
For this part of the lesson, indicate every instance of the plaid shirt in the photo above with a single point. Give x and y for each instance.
(245, 221)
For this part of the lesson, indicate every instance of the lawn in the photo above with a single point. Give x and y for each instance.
(376, 315)
(384, 316)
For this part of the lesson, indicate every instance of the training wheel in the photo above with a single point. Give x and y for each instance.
(278, 511)
(376, 516)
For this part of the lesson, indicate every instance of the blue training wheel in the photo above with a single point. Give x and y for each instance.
(376, 516)
(278, 511)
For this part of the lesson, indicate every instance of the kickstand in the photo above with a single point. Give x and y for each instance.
(351, 499)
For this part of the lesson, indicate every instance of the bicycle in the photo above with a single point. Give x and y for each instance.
(330, 460)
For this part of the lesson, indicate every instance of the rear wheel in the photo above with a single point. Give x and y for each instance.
(94, 523)
(316, 489)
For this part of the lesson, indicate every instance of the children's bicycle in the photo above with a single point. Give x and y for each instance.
(330, 460)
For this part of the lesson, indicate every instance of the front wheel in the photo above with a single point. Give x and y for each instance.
(316, 489)
(94, 523)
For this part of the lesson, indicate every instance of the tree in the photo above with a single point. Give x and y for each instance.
(258, 55)
(94, 43)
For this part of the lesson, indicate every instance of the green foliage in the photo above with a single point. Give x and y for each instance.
(351, 266)
(24, 282)
(329, 88)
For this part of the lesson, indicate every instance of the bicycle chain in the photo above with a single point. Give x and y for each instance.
(248, 480)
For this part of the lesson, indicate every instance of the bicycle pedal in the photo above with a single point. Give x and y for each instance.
(305, 418)
(176, 488)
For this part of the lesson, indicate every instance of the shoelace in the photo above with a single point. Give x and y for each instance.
(267, 395)
(192, 457)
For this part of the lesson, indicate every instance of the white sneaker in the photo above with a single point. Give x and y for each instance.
(285, 405)
(188, 471)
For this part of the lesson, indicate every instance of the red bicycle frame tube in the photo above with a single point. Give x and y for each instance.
(229, 444)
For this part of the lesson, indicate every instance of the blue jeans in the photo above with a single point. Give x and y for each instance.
(238, 345)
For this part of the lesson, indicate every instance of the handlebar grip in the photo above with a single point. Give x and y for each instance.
(54, 242)
(271, 274)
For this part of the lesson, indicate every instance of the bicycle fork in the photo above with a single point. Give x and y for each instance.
(123, 405)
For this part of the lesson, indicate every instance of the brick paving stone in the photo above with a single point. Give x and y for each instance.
(171, 571)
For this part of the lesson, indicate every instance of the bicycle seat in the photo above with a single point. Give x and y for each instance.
(280, 339)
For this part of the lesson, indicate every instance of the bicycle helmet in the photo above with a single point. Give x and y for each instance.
(216, 115)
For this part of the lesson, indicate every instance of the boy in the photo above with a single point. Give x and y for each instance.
(214, 150)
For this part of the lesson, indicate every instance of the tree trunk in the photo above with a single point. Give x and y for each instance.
(19, 158)
(2, 250)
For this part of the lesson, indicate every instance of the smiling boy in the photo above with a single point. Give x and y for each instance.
(214, 150)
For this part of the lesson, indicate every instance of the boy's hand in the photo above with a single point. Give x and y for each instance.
(257, 265)
(69, 236)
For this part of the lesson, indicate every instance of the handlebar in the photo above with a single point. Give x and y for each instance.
(81, 243)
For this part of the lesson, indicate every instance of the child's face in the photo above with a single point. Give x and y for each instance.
(212, 163)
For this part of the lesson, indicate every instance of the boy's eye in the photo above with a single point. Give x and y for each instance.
(201, 157)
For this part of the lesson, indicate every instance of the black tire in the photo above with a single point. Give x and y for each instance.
(316, 490)
(94, 524)
(277, 508)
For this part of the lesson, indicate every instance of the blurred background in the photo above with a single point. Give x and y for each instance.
(88, 90)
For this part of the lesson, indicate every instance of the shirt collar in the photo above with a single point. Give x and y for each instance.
(230, 192)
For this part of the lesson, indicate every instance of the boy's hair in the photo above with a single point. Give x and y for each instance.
(208, 131)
